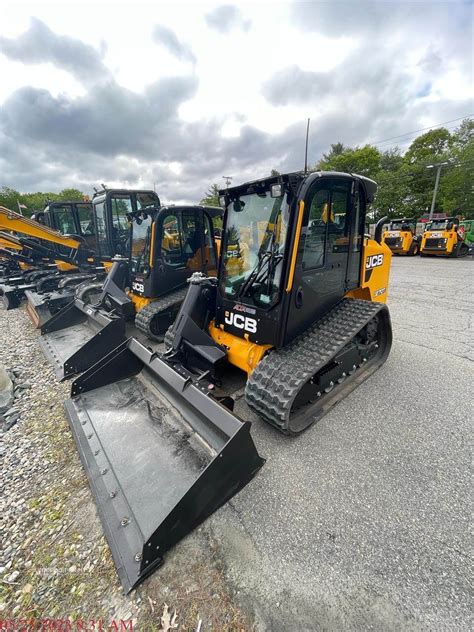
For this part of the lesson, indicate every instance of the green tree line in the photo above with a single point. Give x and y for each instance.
(35, 201)
(405, 181)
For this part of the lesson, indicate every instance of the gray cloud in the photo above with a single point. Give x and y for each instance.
(39, 45)
(165, 36)
(114, 135)
(226, 18)
(293, 85)
(109, 120)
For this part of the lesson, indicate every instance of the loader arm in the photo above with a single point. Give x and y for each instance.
(11, 221)
(7, 241)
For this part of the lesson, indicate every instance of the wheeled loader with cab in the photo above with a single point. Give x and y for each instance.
(298, 305)
(445, 238)
(401, 237)
(146, 287)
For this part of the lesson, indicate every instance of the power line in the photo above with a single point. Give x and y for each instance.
(409, 139)
(423, 175)
(422, 129)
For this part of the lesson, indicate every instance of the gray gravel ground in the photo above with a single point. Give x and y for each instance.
(363, 521)
(54, 561)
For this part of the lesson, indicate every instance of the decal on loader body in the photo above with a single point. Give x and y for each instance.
(241, 322)
(138, 287)
(373, 261)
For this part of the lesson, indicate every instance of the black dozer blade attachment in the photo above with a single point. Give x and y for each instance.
(160, 453)
(78, 336)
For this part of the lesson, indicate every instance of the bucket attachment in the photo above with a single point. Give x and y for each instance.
(12, 294)
(160, 452)
(43, 304)
(41, 307)
(78, 336)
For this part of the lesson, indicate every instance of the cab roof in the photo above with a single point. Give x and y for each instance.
(297, 178)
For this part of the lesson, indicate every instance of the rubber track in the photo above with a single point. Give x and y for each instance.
(274, 384)
(169, 337)
(145, 316)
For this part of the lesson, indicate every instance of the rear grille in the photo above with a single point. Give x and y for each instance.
(434, 242)
(393, 242)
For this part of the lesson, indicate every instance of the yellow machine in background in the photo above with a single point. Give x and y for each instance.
(401, 237)
(444, 237)
(23, 226)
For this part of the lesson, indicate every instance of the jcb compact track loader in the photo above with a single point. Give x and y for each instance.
(401, 237)
(167, 244)
(443, 237)
(297, 305)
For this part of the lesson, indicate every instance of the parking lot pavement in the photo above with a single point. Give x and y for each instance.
(362, 522)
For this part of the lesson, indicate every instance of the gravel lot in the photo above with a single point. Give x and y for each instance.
(361, 523)
(54, 561)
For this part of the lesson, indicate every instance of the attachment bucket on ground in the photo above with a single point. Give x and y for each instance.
(161, 454)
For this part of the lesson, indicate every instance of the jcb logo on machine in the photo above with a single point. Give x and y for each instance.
(374, 261)
(138, 287)
(241, 322)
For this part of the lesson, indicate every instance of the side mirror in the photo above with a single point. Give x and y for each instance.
(379, 229)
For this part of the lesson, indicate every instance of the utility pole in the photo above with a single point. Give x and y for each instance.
(228, 180)
(437, 166)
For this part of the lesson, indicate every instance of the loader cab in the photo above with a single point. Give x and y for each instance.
(292, 247)
(71, 218)
(113, 213)
(179, 241)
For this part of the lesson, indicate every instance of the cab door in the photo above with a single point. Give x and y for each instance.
(328, 261)
(180, 246)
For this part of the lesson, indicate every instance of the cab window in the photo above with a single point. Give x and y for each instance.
(171, 250)
(102, 241)
(209, 250)
(84, 212)
(64, 220)
(121, 206)
(145, 200)
(315, 244)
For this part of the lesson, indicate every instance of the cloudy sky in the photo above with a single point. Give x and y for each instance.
(180, 94)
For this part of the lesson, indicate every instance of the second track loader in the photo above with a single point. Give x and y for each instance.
(298, 305)
(144, 289)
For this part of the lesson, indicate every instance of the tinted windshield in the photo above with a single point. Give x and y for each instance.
(400, 226)
(440, 225)
(253, 248)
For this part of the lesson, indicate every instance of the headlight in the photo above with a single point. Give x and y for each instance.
(276, 190)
